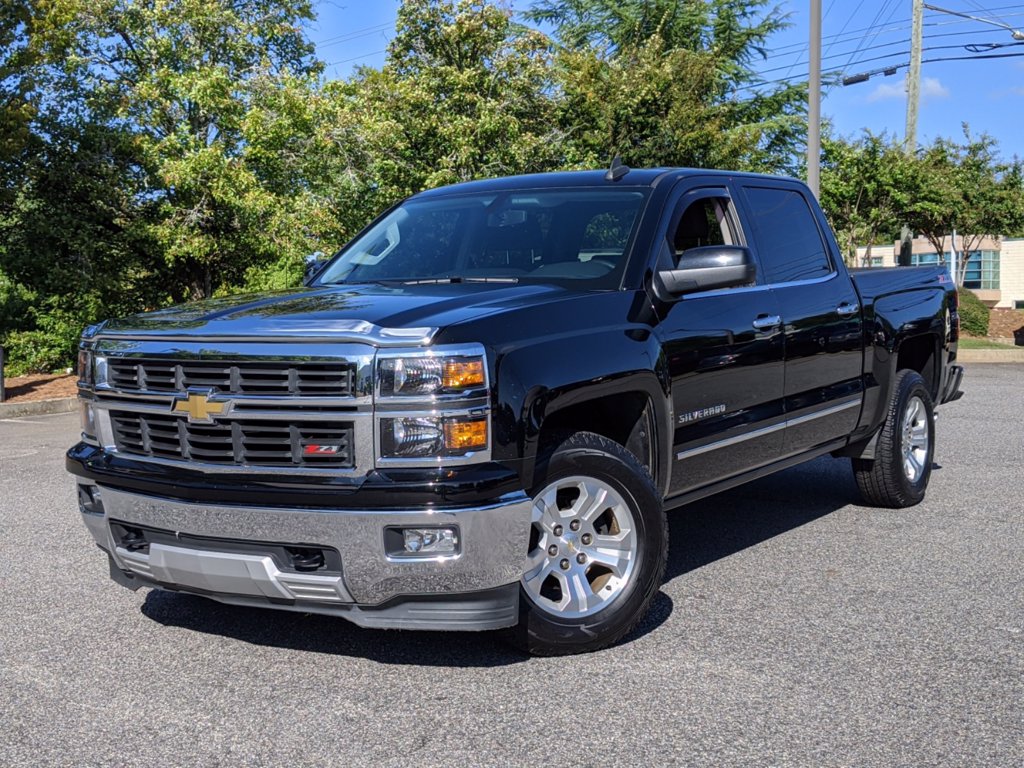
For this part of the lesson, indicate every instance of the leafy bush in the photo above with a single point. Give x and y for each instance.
(35, 352)
(974, 314)
(50, 346)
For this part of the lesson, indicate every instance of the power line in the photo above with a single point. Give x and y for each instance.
(827, 12)
(931, 36)
(894, 67)
(873, 27)
(340, 39)
(961, 33)
(874, 37)
(356, 58)
(901, 25)
(880, 70)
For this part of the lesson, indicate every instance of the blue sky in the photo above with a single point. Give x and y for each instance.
(987, 94)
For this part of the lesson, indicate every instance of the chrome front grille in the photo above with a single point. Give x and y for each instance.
(248, 442)
(237, 406)
(243, 377)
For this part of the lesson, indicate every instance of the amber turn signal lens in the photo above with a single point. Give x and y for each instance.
(465, 435)
(461, 374)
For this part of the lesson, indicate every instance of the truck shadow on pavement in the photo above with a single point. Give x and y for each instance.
(701, 533)
(722, 525)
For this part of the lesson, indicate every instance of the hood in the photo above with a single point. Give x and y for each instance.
(337, 311)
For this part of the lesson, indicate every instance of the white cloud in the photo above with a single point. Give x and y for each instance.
(931, 88)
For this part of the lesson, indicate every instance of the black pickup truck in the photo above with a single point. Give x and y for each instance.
(477, 413)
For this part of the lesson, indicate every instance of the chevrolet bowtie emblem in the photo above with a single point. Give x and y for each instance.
(199, 407)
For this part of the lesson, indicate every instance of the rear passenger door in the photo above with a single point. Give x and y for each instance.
(722, 349)
(820, 313)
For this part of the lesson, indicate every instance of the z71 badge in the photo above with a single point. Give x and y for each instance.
(701, 413)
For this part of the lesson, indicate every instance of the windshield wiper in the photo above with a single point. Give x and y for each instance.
(453, 280)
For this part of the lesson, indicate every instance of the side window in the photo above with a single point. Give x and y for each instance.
(789, 243)
(704, 222)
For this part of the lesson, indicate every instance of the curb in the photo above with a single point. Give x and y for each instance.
(38, 407)
(1011, 355)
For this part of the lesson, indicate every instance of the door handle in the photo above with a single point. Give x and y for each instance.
(845, 310)
(767, 322)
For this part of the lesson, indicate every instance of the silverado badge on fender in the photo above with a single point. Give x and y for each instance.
(701, 413)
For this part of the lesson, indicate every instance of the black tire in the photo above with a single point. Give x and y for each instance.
(883, 481)
(593, 457)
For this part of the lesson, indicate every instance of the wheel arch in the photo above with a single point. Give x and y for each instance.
(630, 409)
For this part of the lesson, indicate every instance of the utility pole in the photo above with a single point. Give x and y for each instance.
(914, 75)
(905, 258)
(814, 101)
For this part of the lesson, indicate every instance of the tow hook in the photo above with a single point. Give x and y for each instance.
(306, 559)
(133, 540)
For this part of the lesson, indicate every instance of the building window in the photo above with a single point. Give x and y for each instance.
(877, 261)
(982, 270)
(924, 259)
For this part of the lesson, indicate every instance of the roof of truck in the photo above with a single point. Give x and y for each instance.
(635, 177)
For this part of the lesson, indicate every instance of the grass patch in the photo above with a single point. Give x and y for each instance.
(968, 342)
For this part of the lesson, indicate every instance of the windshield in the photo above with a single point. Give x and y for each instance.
(548, 236)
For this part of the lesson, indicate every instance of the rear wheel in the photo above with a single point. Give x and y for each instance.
(597, 550)
(898, 475)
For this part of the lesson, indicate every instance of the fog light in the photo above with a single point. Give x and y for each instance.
(430, 541)
(89, 499)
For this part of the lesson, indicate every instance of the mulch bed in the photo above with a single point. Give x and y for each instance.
(40, 386)
(1007, 324)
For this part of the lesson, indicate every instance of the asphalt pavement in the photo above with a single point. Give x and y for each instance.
(794, 628)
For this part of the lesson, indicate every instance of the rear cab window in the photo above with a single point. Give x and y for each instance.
(789, 243)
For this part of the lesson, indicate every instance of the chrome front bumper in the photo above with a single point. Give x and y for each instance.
(493, 545)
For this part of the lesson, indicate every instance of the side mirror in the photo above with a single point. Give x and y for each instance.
(706, 268)
(314, 263)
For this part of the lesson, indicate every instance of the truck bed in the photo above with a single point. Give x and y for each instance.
(875, 282)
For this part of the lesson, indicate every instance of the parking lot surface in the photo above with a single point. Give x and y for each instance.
(794, 627)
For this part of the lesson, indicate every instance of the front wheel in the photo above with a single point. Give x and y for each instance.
(597, 551)
(898, 475)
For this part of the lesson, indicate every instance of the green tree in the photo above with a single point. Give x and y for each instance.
(17, 107)
(179, 77)
(672, 83)
(966, 187)
(465, 93)
(866, 185)
(73, 250)
(307, 145)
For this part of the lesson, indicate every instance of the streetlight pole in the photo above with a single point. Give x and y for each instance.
(1016, 33)
(814, 102)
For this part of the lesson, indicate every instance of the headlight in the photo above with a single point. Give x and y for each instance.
(92, 368)
(432, 406)
(432, 436)
(426, 376)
